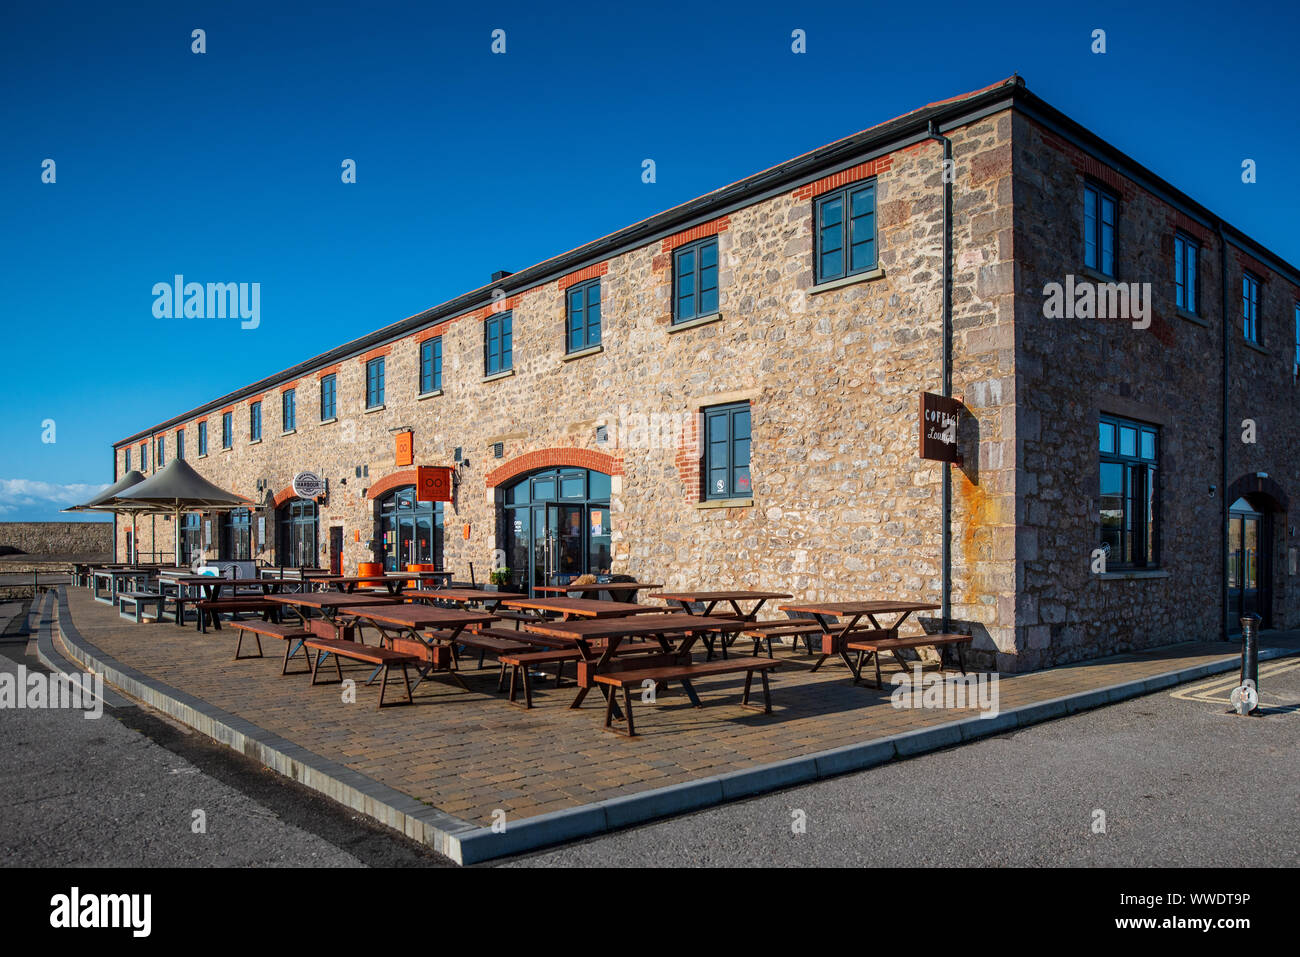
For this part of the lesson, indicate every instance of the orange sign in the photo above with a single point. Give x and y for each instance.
(405, 448)
(433, 483)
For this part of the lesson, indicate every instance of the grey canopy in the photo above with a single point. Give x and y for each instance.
(178, 488)
(107, 501)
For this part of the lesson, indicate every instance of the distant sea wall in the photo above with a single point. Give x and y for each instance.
(57, 538)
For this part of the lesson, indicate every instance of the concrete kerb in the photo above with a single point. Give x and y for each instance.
(468, 843)
(47, 652)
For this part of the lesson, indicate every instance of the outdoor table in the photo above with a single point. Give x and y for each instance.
(711, 599)
(569, 608)
(349, 583)
(834, 635)
(212, 585)
(396, 621)
(611, 632)
(628, 590)
(115, 577)
(464, 596)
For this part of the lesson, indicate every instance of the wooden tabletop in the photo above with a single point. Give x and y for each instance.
(610, 587)
(325, 599)
(623, 628)
(464, 594)
(419, 616)
(583, 607)
(690, 596)
(859, 607)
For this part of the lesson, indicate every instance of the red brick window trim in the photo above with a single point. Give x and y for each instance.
(582, 275)
(433, 333)
(554, 458)
(328, 370)
(711, 228)
(851, 175)
(375, 354)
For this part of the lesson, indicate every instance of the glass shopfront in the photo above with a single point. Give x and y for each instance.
(557, 527)
(410, 532)
(236, 539)
(296, 534)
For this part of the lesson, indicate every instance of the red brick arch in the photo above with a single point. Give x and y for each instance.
(390, 482)
(284, 495)
(554, 458)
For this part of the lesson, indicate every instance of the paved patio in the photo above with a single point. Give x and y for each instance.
(471, 754)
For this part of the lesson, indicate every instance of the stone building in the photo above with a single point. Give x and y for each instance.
(726, 394)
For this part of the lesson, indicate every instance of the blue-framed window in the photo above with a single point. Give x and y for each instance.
(726, 451)
(144, 456)
(583, 321)
(1099, 218)
(431, 365)
(162, 451)
(289, 410)
(1250, 307)
(203, 438)
(329, 392)
(1186, 253)
(1296, 369)
(227, 429)
(127, 466)
(845, 235)
(180, 443)
(498, 346)
(375, 383)
(255, 422)
(695, 280)
(1130, 492)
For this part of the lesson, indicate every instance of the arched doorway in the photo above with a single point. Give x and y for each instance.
(556, 526)
(1252, 543)
(410, 532)
(297, 534)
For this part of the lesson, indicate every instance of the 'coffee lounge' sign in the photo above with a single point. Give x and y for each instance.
(939, 418)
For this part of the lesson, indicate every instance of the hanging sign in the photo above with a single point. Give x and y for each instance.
(939, 418)
(405, 452)
(433, 483)
(308, 485)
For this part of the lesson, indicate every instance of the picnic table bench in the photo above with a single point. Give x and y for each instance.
(383, 658)
(520, 662)
(874, 646)
(293, 637)
(625, 675)
(761, 632)
(213, 607)
(138, 600)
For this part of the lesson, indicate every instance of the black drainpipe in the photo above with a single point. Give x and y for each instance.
(1223, 440)
(945, 537)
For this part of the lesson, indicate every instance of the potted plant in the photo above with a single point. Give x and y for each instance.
(499, 578)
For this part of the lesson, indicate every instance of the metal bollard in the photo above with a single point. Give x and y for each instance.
(1246, 703)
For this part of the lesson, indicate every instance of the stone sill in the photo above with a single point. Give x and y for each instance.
(373, 408)
(428, 395)
(1191, 317)
(329, 421)
(499, 375)
(581, 353)
(254, 441)
(726, 503)
(877, 273)
(1258, 348)
(694, 323)
(229, 448)
(203, 455)
(1136, 574)
(289, 432)
(1095, 275)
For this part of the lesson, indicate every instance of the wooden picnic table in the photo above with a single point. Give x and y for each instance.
(406, 622)
(329, 604)
(464, 596)
(613, 589)
(570, 608)
(212, 585)
(685, 600)
(598, 640)
(835, 635)
(349, 583)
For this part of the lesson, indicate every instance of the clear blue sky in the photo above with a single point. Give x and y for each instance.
(225, 166)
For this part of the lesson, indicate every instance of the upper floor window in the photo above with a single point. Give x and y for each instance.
(162, 451)
(726, 451)
(227, 430)
(144, 456)
(695, 280)
(128, 460)
(1099, 219)
(1186, 253)
(255, 422)
(375, 383)
(289, 410)
(1250, 307)
(1130, 499)
(328, 397)
(203, 438)
(845, 232)
(498, 348)
(1296, 368)
(180, 443)
(431, 365)
(584, 315)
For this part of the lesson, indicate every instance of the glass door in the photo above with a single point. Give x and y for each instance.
(1247, 572)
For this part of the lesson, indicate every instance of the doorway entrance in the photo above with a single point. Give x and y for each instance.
(557, 527)
(1250, 574)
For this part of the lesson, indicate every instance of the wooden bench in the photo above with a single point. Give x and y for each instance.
(794, 629)
(293, 637)
(215, 606)
(382, 658)
(519, 663)
(630, 677)
(137, 600)
(498, 641)
(875, 646)
(178, 603)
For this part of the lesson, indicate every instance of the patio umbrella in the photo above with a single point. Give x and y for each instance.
(178, 488)
(106, 501)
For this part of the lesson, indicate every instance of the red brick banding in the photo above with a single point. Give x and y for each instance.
(862, 171)
(582, 275)
(391, 481)
(554, 458)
